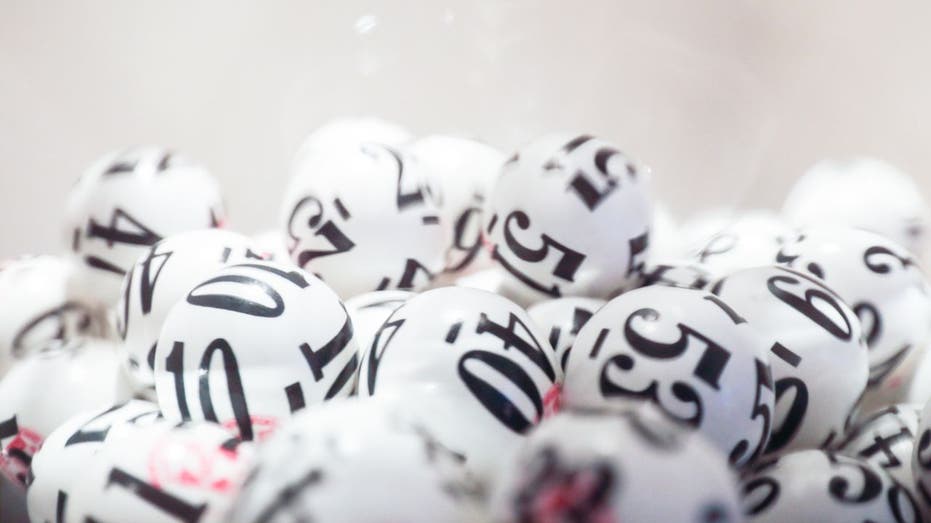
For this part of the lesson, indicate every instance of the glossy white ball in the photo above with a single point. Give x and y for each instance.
(751, 239)
(562, 319)
(369, 311)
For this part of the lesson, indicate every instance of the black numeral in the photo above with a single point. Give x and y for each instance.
(806, 304)
(176, 507)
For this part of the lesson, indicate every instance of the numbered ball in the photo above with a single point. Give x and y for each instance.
(342, 462)
(164, 474)
(251, 345)
(818, 355)
(351, 132)
(35, 310)
(364, 219)
(271, 245)
(570, 216)
(470, 366)
(162, 277)
(684, 350)
(71, 448)
(864, 193)
(750, 240)
(563, 318)
(369, 311)
(630, 467)
(814, 485)
(465, 172)
(677, 273)
(880, 281)
(921, 459)
(125, 203)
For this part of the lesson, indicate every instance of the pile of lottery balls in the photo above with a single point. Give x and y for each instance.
(439, 331)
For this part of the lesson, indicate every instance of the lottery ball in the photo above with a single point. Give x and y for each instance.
(562, 319)
(351, 132)
(45, 389)
(364, 219)
(665, 237)
(70, 449)
(921, 458)
(677, 273)
(880, 281)
(629, 467)
(126, 202)
(252, 344)
(686, 351)
(270, 245)
(35, 310)
(816, 485)
(815, 344)
(864, 193)
(465, 171)
(162, 277)
(369, 311)
(342, 461)
(750, 240)
(570, 216)
(470, 366)
(163, 474)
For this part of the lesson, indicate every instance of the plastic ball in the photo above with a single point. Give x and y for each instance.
(677, 273)
(250, 346)
(369, 311)
(630, 467)
(343, 461)
(563, 318)
(470, 366)
(364, 219)
(570, 216)
(751, 239)
(271, 246)
(921, 458)
(688, 352)
(126, 202)
(819, 357)
(351, 132)
(814, 485)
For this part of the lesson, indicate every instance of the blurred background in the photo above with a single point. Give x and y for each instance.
(727, 101)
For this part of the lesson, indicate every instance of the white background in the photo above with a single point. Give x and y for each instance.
(727, 101)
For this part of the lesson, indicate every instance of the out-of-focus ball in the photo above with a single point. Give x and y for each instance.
(35, 310)
(819, 357)
(369, 311)
(351, 132)
(630, 467)
(865, 193)
(465, 172)
(750, 240)
(250, 346)
(921, 458)
(70, 449)
(677, 273)
(343, 461)
(364, 219)
(271, 245)
(570, 216)
(471, 366)
(490, 280)
(665, 238)
(164, 474)
(162, 277)
(43, 390)
(562, 319)
(880, 281)
(919, 384)
(126, 202)
(814, 485)
(697, 230)
(686, 351)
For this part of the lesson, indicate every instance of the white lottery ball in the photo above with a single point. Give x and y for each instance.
(570, 216)
(125, 203)
(628, 467)
(251, 345)
(677, 273)
(686, 351)
(465, 172)
(814, 485)
(351, 132)
(919, 386)
(471, 366)
(665, 238)
(70, 449)
(162, 277)
(562, 319)
(164, 474)
(750, 240)
(921, 458)
(35, 310)
(364, 219)
(880, 281)
(343, 461)
(865, 193)
(818, 355)
(369, 311)
(272, 246)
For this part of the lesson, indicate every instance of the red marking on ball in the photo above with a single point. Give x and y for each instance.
(14, 460)
(193, 464)
(552, 401)
(263, 427)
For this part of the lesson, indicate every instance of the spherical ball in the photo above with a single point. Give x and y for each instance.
(125, 203)
(815, 485)
(818, 355)
(470, 366)
(351, 132)
(355, 460)
(751, 239)
(251, 345)
(570, 216)
(369, 311)
(631, 467)
(688, 352)
(677, 273)
(162, 277)
(921, 458)
(562, 319)
(364, 219)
